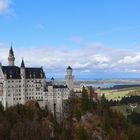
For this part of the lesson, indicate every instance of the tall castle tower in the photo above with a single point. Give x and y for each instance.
(11, 57)
(22, 74)
(69, 78)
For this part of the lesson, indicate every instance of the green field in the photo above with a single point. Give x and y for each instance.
(117, 94)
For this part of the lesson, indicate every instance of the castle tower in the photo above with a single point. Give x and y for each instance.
(22, 74)
(69, 78)
(11, 57)
(22, 68)
(52, 81)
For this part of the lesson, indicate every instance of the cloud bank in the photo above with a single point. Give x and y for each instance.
(92, 58)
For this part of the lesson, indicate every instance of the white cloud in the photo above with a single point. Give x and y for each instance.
(130, 59)
(99, 58)
(89, 59)
(131, 70)
(5, 8)
(4, 5)
(52, 58)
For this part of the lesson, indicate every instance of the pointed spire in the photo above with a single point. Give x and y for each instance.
(22, 64)
(69, 68)
(11, 52)
(11, 57)
(52, 79)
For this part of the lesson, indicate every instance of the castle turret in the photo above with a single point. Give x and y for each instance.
(22, 69)
(52, 81)
(22, 74)
(11, 57)
(69, 78)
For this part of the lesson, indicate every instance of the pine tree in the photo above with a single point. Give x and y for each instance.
(84, 101)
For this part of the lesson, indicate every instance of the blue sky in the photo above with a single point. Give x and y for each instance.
(98, 38)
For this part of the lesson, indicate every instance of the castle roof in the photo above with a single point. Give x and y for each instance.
(52, 79)
(34, 73)
(69, 68)
(22, 64)
(11, 51)
(13, 72)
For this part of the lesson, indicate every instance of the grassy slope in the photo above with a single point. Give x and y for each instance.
(118, 94)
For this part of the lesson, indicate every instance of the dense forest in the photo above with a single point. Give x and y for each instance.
(85, 120)
(125, 100)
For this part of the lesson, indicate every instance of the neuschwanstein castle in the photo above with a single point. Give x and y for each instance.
(21, 84)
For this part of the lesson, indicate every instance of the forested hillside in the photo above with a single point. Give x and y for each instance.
(86, 120)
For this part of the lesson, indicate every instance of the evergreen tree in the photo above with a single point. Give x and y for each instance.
(84, 101)
(104, 102)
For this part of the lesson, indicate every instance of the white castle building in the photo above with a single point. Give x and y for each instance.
(21, 84)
